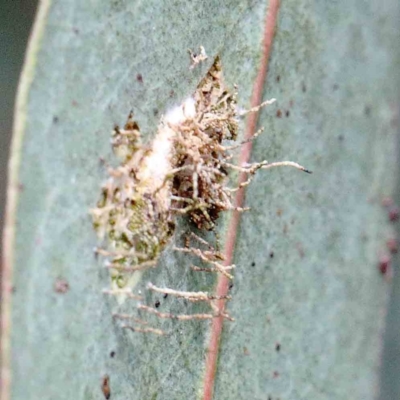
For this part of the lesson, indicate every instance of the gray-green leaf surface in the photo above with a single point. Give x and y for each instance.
(307, 297)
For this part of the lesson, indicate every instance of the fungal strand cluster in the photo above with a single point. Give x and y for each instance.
(184, 171)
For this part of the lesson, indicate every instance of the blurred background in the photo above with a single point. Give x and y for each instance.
(16, 17)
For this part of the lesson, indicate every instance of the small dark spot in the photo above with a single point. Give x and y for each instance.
(271, 254)
(269, 398)
(61, 286)
(55, 119)
(75, 30)
(253, 264)
(340, 137)
(139, 78)
(171, 93)
(105, 386)
(276, 374)
(230, 286)
(279, 212)
(246, 351)
(367, 111)
(384, 264)
(392, 245)
(393, 213)
(155, 112)
(74, 103)
(112, 354)
(278, 347)
(165, 295)
(157, 304)
(279, 113)
(287, 113)
(303, 87)
(278, 78)
(171, 227)
(335, 86)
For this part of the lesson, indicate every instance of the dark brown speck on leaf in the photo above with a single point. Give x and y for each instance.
(384, 264)
(105, 387)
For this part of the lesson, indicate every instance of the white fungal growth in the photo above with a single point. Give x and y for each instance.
(157, 165)
(179, 114)
(198, 58)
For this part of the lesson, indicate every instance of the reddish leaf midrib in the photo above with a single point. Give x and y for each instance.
(251, 124)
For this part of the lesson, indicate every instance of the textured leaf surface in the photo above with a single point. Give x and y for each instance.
(307, 251)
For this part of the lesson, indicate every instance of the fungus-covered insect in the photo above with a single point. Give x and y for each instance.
(183, 171)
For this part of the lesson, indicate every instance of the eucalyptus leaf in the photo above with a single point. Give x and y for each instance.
(308, 299)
